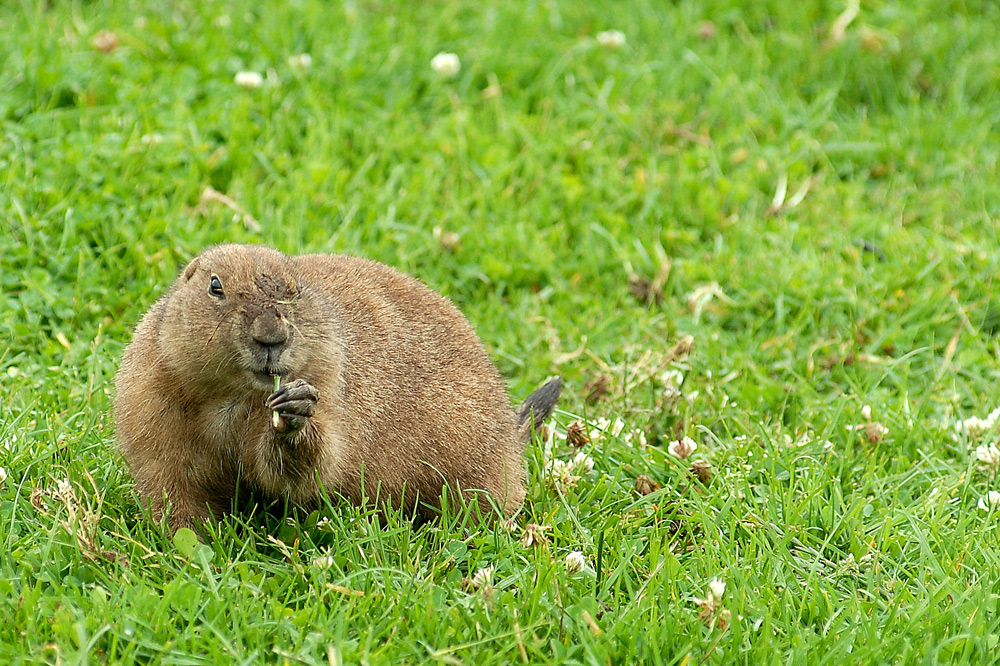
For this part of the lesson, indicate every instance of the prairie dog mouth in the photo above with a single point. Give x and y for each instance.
(265, 378)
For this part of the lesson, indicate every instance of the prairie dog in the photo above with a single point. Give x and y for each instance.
(385, 390)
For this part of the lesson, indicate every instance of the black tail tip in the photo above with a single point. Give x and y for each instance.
(540, 404)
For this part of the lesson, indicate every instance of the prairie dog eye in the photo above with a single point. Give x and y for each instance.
(215, 287)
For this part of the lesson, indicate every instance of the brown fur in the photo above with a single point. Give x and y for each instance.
(407, 396)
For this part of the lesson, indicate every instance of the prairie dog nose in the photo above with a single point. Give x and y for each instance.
(269, 329)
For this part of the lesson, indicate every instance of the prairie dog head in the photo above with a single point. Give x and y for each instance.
(235, 317)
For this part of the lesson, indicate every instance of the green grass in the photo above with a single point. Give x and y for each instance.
(583, 170)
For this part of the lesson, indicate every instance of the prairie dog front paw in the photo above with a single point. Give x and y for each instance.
(294, 403)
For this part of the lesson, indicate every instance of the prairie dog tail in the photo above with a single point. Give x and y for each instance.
(532, 412)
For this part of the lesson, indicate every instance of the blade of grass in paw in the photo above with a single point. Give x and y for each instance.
(275, 418)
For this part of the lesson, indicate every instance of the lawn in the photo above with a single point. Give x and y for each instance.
(759, 242)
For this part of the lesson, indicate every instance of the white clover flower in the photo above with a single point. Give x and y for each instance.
(683, 448)
(603, 426)
(451, 241)
(971, 427)
(875, 432)
(710, 608)
(988, 457)
(534, 535)
(561, 473)
(576, 434)
(645, 485)
(583, 463)
(702, 470)
(64, 488)
(600, 425)
(974, 426)
(611, 39)
(799, 441)
(3, 476)
(716, 588)
(483, 578)
(635, 437)
(672, 380)
(990, 501)
(446, 64)
(105, 41)
(575, 562)
(508, 525)
(672, 376)
(300, 61)
(323, 562)
(248, 80)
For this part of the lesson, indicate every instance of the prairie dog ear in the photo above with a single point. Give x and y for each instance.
(191, 269)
